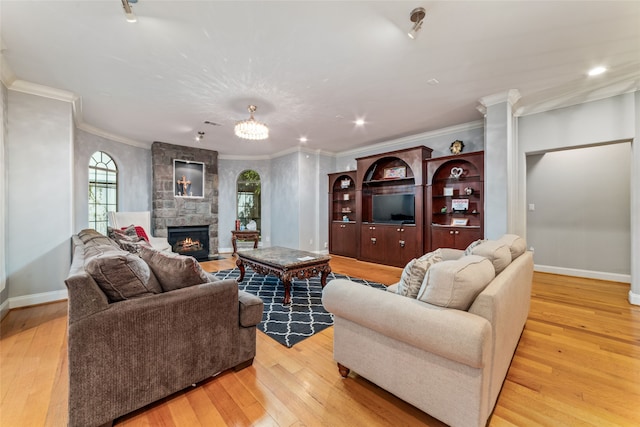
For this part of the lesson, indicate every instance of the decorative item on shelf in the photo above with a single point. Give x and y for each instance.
(345, 218)
(345, 183)
(443, 210)
(448, 191)
(459, 221)
(468, 191)
(237, 224)
(456, 147)
(395, 172)
(345, 197)
(346, 210)
(459, 205)
(456, 172)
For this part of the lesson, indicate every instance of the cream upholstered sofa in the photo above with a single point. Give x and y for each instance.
(145, 325)
(120, 220)
(449, 362)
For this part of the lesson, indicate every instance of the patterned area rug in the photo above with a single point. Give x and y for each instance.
(305, 316)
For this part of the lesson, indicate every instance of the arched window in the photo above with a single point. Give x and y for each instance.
(248, 198)
(103, 190)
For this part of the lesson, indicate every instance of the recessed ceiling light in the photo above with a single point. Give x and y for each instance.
(359, 122)
(597, 71)
(302, 139)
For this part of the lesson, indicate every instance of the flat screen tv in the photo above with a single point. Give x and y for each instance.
(393, 208)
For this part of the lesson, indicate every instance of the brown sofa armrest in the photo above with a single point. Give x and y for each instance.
(251, 308)
(140, 350)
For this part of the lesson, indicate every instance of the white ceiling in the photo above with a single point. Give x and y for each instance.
(313, 67)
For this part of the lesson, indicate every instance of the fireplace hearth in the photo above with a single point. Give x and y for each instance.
(192, 240)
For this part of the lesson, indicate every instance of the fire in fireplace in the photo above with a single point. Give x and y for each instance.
(190, 240)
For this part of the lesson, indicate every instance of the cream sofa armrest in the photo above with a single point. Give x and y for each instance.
(452, 334)
(159, 243)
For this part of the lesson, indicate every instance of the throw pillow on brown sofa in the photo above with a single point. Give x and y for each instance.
(174, 271)
(122, 275)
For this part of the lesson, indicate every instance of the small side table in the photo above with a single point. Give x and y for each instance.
(244, 235)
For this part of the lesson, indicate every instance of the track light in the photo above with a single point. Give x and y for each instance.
(200, 136)
(417, 17)
(128, 11)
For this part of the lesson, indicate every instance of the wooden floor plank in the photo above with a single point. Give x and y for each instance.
(577, 364)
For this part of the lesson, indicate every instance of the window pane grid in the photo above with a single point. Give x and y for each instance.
(103, 190)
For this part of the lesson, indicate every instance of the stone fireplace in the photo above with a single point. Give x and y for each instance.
(172, 211)
(190, 240)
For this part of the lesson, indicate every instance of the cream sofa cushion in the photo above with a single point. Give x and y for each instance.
(517, 245)
(495, 251)
(414, 272)
(456, 283)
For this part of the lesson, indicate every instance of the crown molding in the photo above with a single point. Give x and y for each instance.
(42, 90)
(278, 154)
(7, 76)
(570, 99)
(386, 145)
(512, 96)
(110, 136)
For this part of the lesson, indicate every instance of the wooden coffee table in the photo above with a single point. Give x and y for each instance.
(286, 264)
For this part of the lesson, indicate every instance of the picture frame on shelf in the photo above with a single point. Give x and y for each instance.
(188, 179)
(447, 191)
(459, 222)
(395, 172)
(458, 205)
(345, 183)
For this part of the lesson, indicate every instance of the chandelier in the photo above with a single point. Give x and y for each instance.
(251, 129)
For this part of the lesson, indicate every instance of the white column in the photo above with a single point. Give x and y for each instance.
(501, 166)
(634, 293)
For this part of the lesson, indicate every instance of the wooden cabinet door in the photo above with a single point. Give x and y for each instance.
(343, 239)
(453, 237)
(467, 236)
(442, 237)
(372, 243)
(401, 242)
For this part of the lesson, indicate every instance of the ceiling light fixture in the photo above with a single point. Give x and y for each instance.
(597, 71)
(303, 139)
(200, 136)
(128, 11)
(359, 122)
(417, 17)
(250, 128)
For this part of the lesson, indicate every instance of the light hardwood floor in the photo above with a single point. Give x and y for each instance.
(578, 363)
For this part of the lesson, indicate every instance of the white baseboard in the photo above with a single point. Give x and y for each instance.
(634, 298)
(35, 299)
(4, 309)
(600, 275)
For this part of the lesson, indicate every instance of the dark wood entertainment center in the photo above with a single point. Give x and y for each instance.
(370, 212)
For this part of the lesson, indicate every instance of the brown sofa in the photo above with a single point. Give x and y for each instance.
(155, 340)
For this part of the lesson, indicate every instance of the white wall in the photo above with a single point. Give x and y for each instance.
(134, 175)
(593, 123)
(39, 201)
(581, 217)
(4, 121)
(285, 225)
